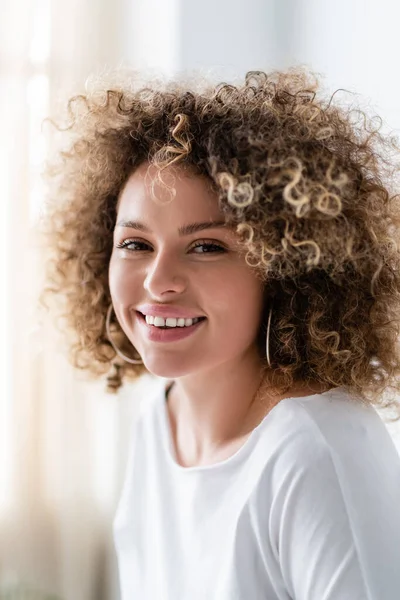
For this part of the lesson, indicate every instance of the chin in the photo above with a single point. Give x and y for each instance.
(168, 369)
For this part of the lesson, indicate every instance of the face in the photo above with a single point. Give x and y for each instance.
(201, 271)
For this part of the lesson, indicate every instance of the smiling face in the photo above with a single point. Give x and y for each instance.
(202, 271)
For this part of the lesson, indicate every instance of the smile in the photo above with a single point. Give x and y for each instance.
(167, 333)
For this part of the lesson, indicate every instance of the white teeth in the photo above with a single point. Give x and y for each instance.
(170, 321)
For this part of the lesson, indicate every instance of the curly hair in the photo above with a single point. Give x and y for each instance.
(310, 186)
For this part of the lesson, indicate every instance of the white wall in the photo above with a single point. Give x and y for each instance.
(351, 43)
(355, 44)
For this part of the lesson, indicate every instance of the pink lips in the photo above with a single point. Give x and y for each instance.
(166, 310)
(172, 334)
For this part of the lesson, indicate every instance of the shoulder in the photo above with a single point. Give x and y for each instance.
(322, 423)
(332, 477)
(325, 440)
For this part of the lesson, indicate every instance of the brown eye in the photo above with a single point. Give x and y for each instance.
(127, 243)
(215, 248)
(211, 248)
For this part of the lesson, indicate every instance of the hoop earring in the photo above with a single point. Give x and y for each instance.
(117, 350)
(267, 338)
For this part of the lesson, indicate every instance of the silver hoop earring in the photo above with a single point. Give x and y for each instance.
(267, 338)
(117, 350)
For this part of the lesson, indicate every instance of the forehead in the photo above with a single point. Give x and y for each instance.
(184, 193)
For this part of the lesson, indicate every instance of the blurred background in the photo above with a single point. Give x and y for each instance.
(63, 440)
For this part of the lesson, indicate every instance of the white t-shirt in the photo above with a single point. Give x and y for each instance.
(307, 509)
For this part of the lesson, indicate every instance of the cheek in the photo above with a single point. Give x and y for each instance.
(122, 281)
(238, 295)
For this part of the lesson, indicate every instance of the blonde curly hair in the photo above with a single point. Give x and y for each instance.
(310, 186)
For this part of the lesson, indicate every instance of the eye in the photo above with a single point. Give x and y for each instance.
(212, 248)
(127, 243)
(202, 243)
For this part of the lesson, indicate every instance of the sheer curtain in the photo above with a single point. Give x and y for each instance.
(62, 439)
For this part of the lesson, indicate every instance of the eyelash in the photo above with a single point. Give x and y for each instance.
(198, 244)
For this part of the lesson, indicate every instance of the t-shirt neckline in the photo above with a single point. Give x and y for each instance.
(228, 462)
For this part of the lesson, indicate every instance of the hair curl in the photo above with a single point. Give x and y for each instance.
(311, 186)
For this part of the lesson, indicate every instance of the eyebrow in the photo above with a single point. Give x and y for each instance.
(183, 230)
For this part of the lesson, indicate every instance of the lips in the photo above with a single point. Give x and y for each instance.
(167, 334)
(165, 311)
(143, 317)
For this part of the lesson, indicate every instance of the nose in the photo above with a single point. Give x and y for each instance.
(164, 274)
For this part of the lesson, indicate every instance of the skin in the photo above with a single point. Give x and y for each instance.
(217, 370)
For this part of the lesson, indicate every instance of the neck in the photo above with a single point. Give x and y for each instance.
(209, 411)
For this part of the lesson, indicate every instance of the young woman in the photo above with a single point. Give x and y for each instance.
(240, 243)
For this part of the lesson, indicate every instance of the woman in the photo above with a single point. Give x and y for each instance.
(241, 244)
